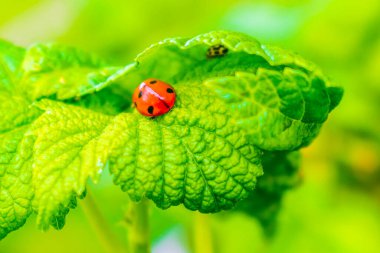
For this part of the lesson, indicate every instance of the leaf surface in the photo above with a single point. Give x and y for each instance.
(10, 64)
(190, 156)
(16, 190)
(60, 72)
(277, 96)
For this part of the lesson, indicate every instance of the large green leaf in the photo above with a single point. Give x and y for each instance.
(280, 98)
(201, 154)
(31, 74)
(195, 155)
(190, 156)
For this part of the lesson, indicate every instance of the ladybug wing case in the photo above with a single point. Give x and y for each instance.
(154, 98)
(166, 93)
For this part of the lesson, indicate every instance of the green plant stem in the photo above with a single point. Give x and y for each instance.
(137, 219)
(202, 234)
(100, 226)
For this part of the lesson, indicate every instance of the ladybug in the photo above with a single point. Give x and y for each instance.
(154, 97)
(216, 51)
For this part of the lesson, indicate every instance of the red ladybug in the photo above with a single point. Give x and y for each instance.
(154, 97)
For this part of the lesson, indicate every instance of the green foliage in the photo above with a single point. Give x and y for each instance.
(10, 65)
(285, 97)
(281, 174)
(16, 148)
(110, 100)
(66, 117)
(287, 101)
(194, 155)
(66, 152)
(63, 72)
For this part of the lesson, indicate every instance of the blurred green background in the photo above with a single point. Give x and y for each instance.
(337, 206)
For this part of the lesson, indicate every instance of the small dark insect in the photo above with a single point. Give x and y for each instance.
(216, 51)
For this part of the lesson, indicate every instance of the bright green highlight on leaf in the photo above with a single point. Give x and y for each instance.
(74, 119)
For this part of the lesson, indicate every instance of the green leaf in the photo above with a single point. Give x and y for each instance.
(281, 174)
(16, 190)
(202, 154)
(278, 97)
(10, 64)
(61, 72)
(193, 156)
(66, 153)
(280, 110)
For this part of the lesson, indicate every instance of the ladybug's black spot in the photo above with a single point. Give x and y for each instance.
(224, 50)
(140, 94)
(169, 90)
(153, 82)
(135, 104)
(150, 109)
